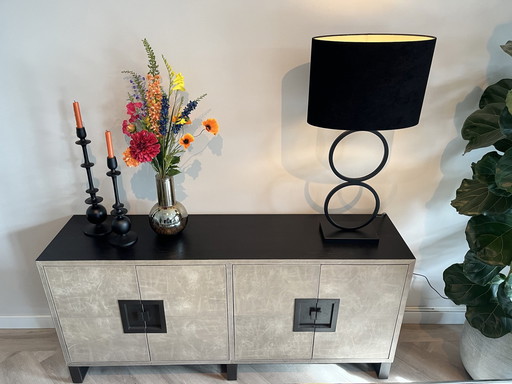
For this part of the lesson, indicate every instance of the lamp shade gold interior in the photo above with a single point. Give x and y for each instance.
(374, 38)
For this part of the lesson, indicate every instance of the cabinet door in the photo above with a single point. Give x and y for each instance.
(370, 298)
(264, 309)
(85, 300)
(195, 305)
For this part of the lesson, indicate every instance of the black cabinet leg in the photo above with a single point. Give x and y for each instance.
(230, 370)
(78, 374)
(382, 370)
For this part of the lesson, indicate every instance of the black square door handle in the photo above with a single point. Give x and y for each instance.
(318, 315)
(142, 316)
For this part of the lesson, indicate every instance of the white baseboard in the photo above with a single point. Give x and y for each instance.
(434, 315)
(412, 315)
(40, 321)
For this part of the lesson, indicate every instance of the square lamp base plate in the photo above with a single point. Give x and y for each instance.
(368, 234)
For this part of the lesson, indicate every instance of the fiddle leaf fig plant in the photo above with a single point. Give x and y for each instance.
(483, 281)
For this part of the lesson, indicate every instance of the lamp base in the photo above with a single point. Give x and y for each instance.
(368, 234)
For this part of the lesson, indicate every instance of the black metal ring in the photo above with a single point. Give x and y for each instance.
(371, 174)
(349, 184)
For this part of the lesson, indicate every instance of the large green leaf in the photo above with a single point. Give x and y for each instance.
(489, 319)
(503, 145)
(495, 93)
(483, 311)
(490, 238)
(477, 271)
(461, 290)
(508, 101)
(484, 170)
(507, 47)
(505, 121)
(504, 296)
(503, 176)
(475, 198)
(482, 128)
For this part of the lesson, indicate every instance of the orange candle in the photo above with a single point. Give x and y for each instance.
(110, 149)
(78, 116)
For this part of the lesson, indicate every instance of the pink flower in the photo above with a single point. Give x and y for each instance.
(144, 146)
(131, 108)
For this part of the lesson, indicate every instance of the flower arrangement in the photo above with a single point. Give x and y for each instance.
(158, 118)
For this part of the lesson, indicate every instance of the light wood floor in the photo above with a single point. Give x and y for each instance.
(425, 353)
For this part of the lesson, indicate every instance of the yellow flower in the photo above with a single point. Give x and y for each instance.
(178, 83)
(186, 140)
(211, 126)
(181, 120)
(128, 159)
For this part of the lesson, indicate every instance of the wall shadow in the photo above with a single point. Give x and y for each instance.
(305, 148)
(445, 244)
(23, 278)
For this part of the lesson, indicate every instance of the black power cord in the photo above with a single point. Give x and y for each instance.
(430, 285)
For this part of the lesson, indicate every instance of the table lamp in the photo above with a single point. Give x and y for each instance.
(365, 82)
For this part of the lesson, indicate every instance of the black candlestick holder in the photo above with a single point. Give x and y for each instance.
(96, 214)
(121, 224)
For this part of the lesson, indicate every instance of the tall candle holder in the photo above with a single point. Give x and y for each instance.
(96, 214)
(121, 224)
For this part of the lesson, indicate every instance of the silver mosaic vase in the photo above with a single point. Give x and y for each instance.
(168, 216)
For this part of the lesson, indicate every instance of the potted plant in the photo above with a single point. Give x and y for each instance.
(483, 281)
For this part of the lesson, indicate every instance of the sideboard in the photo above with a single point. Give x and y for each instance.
(229, 290)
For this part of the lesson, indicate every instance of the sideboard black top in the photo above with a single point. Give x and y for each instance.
(233, 236)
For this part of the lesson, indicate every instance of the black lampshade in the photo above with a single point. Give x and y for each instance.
(368, 82)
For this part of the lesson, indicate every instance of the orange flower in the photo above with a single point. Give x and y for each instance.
(128, 159)
(211, 126)
(154, 100)
(186, 140)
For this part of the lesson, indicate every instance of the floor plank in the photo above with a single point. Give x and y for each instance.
(425, 353)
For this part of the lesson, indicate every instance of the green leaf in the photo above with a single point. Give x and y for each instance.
(508, 101)
(505, 122)
(483, 311)
(477, 271)
(495, 93)
(485, 169)
(504, 296)
(475, 198)
(490, 237)
(489, 319)
(481, 128)
(503, 145)
(503, 176)
(153, 66)
(461, 290)
(507, 47)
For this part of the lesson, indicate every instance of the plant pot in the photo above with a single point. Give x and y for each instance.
(485, 358)
(168, 216)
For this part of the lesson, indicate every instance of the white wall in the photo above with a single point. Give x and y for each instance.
(251, 57)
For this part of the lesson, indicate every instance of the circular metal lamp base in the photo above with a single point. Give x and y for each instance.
(352, 227)
(354, 181)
